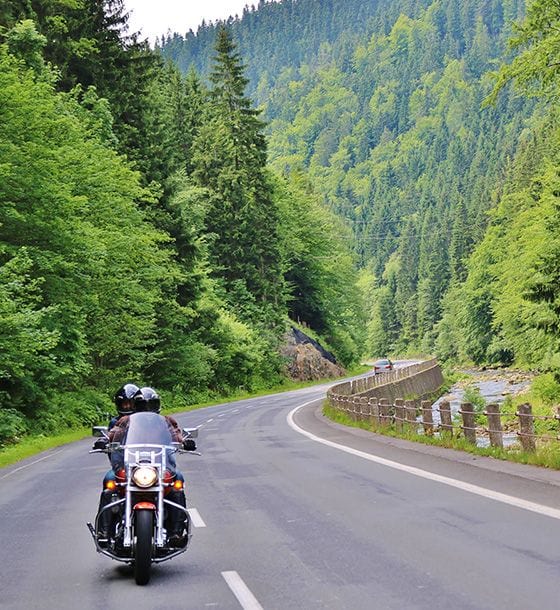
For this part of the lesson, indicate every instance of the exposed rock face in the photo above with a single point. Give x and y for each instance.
(307, 359)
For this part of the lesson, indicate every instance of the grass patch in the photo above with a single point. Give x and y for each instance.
(32, 445)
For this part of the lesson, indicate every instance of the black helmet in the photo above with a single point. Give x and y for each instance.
(124, 398)
(146, 399)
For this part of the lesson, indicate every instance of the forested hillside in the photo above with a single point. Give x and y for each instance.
(448, 185)
(155, 226)
(143, 236)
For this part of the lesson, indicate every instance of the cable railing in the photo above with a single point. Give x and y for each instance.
(482, 428)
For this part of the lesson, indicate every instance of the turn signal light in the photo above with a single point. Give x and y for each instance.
(110, 484)
(178, 485)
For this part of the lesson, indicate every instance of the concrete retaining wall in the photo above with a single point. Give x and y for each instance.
(416, 381)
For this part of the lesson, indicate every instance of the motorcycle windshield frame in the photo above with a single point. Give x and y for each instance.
(147, 429)
(148, 439)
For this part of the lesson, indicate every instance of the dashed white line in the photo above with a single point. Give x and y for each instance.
(209, 420)
(196, 519)
(548, 511)
(244, 596)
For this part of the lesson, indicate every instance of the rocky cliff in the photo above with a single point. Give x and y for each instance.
(307, 359)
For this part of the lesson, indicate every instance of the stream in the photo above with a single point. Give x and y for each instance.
(494, 385)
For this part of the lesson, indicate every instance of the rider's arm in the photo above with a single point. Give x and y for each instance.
(176, 433)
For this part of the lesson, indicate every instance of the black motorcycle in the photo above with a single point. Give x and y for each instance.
(139, 510)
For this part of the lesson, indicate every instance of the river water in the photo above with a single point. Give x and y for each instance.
(494, 386)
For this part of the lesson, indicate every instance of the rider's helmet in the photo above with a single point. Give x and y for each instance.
(147, 399)
(124, 398)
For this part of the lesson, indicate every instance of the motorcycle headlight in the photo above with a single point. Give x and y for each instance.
(144, 476)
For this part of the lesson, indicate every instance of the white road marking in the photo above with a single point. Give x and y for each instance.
(425, 474)
(235, 411)
(46, 457)
(244, 596)
(196, 519)
(209, 420)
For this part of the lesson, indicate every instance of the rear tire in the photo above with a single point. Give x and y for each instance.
(144, 526)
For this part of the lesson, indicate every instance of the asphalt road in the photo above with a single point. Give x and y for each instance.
(341, 519)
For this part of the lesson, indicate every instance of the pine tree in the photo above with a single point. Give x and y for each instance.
(229, 159)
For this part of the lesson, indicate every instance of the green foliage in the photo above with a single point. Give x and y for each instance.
(319, 267)
(473, 395)
(546, 388)
(242, 218)
(12, 426)
(535, 69)
(67, 410)
(173, 264)
(26, 43)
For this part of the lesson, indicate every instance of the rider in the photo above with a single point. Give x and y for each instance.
(146, 399)
(124, 400)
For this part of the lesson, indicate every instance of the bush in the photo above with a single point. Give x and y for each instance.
(546, 388)
(473, 395)
(12, 425)
(69, 410)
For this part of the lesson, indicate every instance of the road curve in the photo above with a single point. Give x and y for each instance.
(285, 521)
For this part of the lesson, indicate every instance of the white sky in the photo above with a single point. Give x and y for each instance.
(155, 17)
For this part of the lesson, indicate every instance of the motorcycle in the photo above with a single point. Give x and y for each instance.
(139, 511)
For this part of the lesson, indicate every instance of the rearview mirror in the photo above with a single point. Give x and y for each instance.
(190, 432)
(100, 431)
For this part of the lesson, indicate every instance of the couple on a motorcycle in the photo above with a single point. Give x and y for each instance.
(131, 399)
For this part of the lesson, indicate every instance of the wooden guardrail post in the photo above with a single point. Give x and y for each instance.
(355, 408)
(469, 428)
(427, 417)
(494, 425)
(364, 408)
(526, 427)
(445, 416)
(410, 415)
(399, 415)
(384, 417)
(374, 412)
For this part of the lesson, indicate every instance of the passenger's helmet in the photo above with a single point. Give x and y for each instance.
(147, 399)
(124, 398)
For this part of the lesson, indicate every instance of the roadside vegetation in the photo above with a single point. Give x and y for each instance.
(544, 397)
(547, 455)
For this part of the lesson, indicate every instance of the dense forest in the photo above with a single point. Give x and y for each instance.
(143, 234)
(404, 117)
(383, 172)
